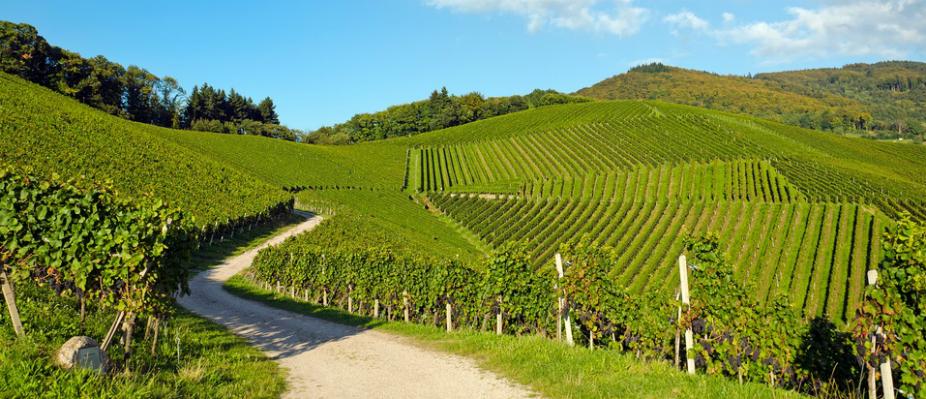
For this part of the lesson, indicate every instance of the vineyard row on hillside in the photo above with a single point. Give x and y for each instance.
(814, 253)
(737, 180)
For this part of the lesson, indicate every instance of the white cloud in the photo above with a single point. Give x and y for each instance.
(685, 20)
(621, 18)
(728, 17)
(893, 28)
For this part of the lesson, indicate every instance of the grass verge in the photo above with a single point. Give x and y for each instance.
(549, 368)
(195, 358)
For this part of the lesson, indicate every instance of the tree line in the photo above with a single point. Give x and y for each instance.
(133, 92)
(441, 110)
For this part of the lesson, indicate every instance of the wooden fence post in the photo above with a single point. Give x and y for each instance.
(689, 336)
(376, 308)
(564, 311)
(9, 296)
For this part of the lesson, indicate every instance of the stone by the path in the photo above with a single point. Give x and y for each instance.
(83, 352)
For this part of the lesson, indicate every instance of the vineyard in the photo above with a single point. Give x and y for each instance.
(53, 135)
(746, 180)
(411, 222)
(814, 253)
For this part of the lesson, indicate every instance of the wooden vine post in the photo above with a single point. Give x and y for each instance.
(563, 310)
(9, 296)
(449, 310)
(686, 301)
(376, 308)
(112, 331)
(887, 378)
(350, 299)
(405, 304)
(678, 333)
(498, 317)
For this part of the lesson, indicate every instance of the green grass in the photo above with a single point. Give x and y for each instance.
(195, 359)
(550, 368)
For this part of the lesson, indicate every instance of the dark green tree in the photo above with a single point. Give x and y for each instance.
(268, 113)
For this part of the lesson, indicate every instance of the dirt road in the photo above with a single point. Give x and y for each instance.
(329, 360)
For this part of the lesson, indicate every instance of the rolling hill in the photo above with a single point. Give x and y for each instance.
(799, 211)
(882, 99)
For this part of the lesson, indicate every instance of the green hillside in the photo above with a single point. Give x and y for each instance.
(790, 203)
(894, 91)
(800, 213)
(50, 133)
(883, 99)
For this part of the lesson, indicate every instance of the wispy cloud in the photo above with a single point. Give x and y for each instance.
(892, 28)
(685, 20)
(619, 17)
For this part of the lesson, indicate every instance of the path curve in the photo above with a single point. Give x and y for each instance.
(330, 360)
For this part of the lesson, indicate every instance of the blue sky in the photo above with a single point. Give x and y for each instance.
(323, 61)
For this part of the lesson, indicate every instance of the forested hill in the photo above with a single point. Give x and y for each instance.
(885, 99)
(441, 110)
(133, 92)
(894, 92)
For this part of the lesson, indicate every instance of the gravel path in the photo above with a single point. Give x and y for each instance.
(330, 360)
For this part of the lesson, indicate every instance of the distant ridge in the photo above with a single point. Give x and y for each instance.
(886, 99)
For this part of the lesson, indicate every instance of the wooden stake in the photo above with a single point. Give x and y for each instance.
(872, 374)
(405, 304)
(112, 331)
(325, 297)
(498, 317)
(9, 296)
(565, 310)
(350, 300)
(154, 339)
(128, 329)
(449, 310)
(689, 336)
(376, 308)
(887, 380)
(678, 333)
